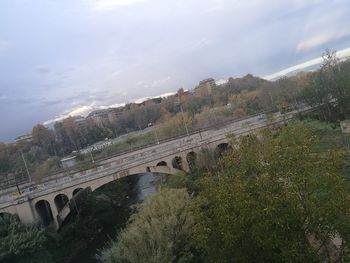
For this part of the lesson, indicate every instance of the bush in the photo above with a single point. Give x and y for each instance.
(21, 243)
(160, 232)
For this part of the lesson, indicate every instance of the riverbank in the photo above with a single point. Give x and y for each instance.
(105, 212)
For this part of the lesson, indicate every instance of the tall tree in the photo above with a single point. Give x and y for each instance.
(45, 138)
(330, 90)
(275, 200)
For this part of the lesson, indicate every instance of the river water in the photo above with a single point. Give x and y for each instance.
(145, 185)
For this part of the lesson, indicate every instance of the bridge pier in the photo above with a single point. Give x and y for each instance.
(54, 212)
(25, 212)
(185, 165)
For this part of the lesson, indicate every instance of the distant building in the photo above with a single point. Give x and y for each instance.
(114, 113)
(100, 117)
(183, 95)
(103, 117)
(24, 138)
(80, 121)
(205, 87)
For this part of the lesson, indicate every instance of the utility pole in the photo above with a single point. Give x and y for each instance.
(183, 119)
(183, 116)
(19, 191)
(155, 133)
(25, 165)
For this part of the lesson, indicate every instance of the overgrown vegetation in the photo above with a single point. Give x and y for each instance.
(270, 198)
(160, 232)
(21, 243)
(104, 211)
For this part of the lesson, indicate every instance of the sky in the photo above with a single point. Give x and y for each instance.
(69, 57)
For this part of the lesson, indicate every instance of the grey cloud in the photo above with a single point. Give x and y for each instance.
(43, 69)
(83, 57)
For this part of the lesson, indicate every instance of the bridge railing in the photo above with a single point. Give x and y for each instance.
(106, 171)
(218, 125)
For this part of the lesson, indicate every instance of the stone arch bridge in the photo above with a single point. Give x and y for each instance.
(48, 202)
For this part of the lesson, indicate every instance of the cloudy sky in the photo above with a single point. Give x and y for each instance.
(61, 57)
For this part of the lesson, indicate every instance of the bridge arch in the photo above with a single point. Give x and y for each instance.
(44, 211)
(162, 163)
(222, 148)
(177, 163)
(76, 190)
(2, 214)
(60, 201)
(191, 160)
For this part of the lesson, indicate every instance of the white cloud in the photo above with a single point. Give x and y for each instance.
(110, 4)
(81, 110)
(313, 62)
(84, 110)
(221, 81)
(321, 39)
(164, 95)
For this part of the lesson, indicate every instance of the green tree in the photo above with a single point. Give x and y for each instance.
(160, 232)
(5, 159)
(175, 126)
(275, 200)
(330, 90)
(21, 243)
(44, 138)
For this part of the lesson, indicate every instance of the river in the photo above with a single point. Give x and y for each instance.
(144, 186)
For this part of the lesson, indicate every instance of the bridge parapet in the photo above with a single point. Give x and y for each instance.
(143, 160)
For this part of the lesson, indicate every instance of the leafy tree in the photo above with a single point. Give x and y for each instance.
(5, 159)
(63, 138)
(275, 200)
(45, 138)
(160, 232)
(330, 90)
(21, 243)
(175, 126)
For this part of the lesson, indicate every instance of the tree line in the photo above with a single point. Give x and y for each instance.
(327, 89)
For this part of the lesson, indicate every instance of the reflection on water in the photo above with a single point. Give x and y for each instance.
(145, 185)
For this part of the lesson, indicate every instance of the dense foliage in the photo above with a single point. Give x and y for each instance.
(160, 232)
(275, 200)
(329, 89)
(275, 196)
(103, 212)
(21, 243)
